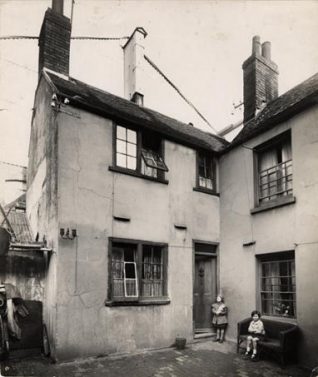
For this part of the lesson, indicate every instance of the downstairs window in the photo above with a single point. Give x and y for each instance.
(138, 271)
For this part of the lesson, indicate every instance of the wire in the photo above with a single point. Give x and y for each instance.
(8, 163)
(10, 37)
(6, 37)
(179, 92)
(100, 38)
(20, 65)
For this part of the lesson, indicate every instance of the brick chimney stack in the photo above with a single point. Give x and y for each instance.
(260, 76)
(134, 61)
(55, 40)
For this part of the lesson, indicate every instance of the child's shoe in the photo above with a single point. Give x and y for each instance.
(246, 355)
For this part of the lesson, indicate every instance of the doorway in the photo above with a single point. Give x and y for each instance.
(204, 289)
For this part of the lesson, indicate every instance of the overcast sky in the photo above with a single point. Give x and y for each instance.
(200, 45)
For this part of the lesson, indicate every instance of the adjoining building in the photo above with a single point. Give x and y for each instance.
(268, 186)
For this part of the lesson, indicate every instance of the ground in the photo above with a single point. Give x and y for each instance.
(203, 359)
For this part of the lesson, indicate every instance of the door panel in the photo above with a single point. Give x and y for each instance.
(204, 291)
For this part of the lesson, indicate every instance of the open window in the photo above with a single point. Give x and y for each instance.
(140, 151)
(152, 163)
(124, 272)
(206, 172)
(274, 170)
(137, 271)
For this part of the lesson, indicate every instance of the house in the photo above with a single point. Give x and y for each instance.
(128, 201)
(148, 218)
(22, 258)
(268, 204)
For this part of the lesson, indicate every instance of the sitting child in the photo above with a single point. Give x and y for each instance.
(256, 332)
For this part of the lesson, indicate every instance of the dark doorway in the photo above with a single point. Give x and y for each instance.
(204, 290)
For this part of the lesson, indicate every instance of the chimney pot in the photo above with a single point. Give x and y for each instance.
(266, 50)
(57, 6)
(134, 80)
(54, 41)
(260, 79)
(256, 46)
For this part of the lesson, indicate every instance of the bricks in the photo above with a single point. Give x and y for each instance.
(260, 81)
(54, 43)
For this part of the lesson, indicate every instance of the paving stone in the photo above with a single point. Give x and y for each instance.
(204, 359)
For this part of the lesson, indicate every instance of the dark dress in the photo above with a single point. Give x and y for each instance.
(219, 312)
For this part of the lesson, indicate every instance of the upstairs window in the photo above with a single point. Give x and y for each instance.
(275, 170)
(140, 151)
(138, 271)
(152, 163)
(126, 148)
(206, 172)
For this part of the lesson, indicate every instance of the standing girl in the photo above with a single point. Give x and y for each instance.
(219, 318)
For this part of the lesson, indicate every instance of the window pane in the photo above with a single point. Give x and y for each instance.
(132, 136)
(121, 160)
(209, 184)
(202, 164)
(131, 149)
(121, 133)
(131, 287)
(153, 160)
(131, 163)
(121, 146)
(152, 271)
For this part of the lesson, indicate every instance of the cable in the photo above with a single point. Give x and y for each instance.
(8, 163)
(20, 65)
(179, 92)
(100, 38)
(6, 37)
(10, 37)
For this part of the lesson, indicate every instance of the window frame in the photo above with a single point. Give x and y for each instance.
(213, 162)
(138, 300)
(279, 199)
(138, 171)
(277, 257)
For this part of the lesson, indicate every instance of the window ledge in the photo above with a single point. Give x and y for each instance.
(274, 204)
(141, 302)
(134, 173)
(206, 191)
(280, 319)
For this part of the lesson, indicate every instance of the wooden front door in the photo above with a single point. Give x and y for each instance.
(204, 291)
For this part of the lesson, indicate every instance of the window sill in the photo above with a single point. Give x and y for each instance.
(283, 201)
(141, 302)
(280, 319)
(134, 173)
(206, 191)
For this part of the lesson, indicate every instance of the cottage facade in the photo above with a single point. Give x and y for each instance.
(148, 218)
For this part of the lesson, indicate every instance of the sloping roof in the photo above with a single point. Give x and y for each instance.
(18, 220)
(285, 106)
(121, 110)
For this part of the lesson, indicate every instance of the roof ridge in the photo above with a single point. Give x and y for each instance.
(185, 126)
(295, 99)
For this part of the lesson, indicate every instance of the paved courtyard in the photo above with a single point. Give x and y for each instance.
(204, 359)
